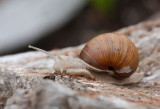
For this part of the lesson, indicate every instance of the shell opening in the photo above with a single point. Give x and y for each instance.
(110, 68)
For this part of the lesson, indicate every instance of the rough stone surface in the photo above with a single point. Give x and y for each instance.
(50, 95)
(28, 82)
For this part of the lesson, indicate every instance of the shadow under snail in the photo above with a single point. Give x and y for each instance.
(109, 57)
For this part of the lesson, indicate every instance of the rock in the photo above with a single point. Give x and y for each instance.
(29, 78)
(50, 95)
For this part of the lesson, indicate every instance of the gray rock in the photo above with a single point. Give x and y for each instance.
(50, 95)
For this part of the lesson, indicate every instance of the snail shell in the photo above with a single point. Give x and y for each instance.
(111, 51)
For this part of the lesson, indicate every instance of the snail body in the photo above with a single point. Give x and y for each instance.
(114, 64)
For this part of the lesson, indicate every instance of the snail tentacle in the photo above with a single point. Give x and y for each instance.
(48, 53)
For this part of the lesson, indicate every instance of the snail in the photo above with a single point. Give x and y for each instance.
(109, 57)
